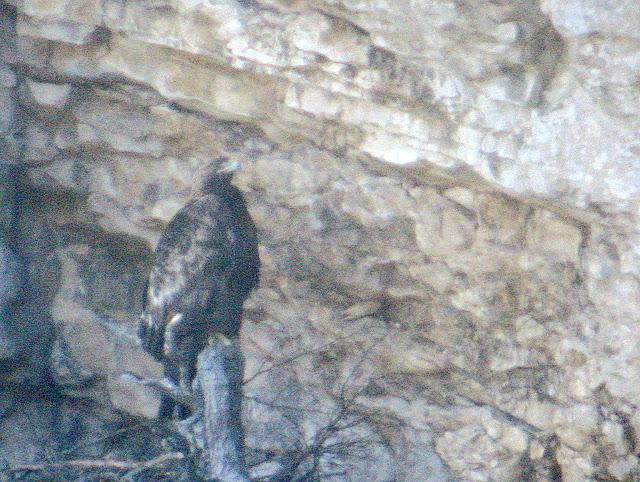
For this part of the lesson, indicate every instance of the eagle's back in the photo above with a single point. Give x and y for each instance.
(207, 263)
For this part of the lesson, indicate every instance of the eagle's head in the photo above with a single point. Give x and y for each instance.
(215, 176)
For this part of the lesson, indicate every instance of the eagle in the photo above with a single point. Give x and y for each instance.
(206, 265)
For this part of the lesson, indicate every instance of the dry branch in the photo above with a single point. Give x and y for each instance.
(99, 464)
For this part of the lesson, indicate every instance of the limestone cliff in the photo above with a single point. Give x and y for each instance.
(447, 194)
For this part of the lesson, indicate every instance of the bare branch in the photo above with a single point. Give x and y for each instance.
(310, 351)
(168, 388)
(99, 464)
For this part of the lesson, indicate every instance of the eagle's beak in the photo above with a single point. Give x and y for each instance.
(229, 166)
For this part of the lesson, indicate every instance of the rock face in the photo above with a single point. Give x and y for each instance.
(447, 195)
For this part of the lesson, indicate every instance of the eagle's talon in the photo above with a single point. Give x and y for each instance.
(176, 393)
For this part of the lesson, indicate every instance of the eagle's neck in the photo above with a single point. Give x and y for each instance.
(217, 184)
(221, 187)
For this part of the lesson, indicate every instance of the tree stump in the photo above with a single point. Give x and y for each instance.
(215, 430)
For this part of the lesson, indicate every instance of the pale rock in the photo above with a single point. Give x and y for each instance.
(607, 175)
(440, 228)
(579, 390)
(82, 331)
(288, 180)
(462, 196)
(624, 468)
(49, 95)
(576, 426)
(492, 427)
(40, 147)
(224, 94)
(59, 8)
(514, 439)
(585, 417)
(85, 133)
(65, 138)
(501, 219)
(165, 209)
(507, 32)
(614, 432)
(536, 450)
(265, 470)
(540, 414)
(7, 110)
(601, 259)
(575, 468)
(64, 173)
(511, 358)
(375, 202)
(572, 352)
(102, 121)
(528, 330)
(128, 394)
(518, 87)
(313, 101)
(413, 360)
(334, 38)
(506, 147)
(634, 421)
(583, 17)
(57, 30)
(361, 310)
(90, 338)
(452, 445)
(437, 274)
(559, 239)
(488, 144)
(8, 78)
(396, 149)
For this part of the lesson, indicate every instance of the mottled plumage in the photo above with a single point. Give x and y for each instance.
(206, 265)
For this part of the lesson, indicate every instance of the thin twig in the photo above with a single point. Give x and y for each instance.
(310, 351)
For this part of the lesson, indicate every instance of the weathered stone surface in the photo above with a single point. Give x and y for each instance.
(7, 110)
(8, 78)
(26, 434)
(47, 95)
(582, 17)
(39, 145)
(129, 395)
(447, 200)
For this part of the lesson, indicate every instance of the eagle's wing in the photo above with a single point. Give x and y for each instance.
(194, 255)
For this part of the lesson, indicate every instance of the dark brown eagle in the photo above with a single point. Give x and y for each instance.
(206, 265)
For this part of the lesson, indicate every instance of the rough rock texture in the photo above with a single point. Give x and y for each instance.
(447, 198)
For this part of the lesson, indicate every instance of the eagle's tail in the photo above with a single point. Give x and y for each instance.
(167, 404)
(151, 335)
(167, 407)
